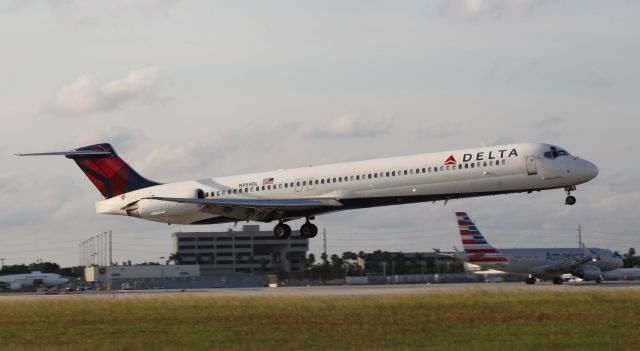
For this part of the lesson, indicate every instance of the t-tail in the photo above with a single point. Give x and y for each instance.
(474, 244)
(105, 169)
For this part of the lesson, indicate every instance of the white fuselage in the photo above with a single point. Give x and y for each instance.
(29, 280)
(537, 260)
(380, 182)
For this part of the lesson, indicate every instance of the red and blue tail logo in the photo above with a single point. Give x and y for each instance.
(474, 244)
(108, 172)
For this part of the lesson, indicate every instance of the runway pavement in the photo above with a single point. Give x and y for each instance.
(345, 290)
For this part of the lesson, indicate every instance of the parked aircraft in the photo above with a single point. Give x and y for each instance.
(543, 263)
(31, 280)
(623, 274)
(290, 194)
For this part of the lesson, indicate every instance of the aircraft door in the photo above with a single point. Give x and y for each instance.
(531, 165)
(311, 183)
(298, 185)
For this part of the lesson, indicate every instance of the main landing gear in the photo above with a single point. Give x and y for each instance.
(283, 231)
(530, 280)
(557, 281)
(571, 200)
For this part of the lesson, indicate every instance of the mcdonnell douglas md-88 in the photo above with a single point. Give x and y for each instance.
(306, 192)
(551, 263)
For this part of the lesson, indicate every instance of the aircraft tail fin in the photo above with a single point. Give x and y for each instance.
(474, 244)
(105, 169)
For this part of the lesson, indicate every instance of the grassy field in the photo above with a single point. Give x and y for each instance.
(458, 321)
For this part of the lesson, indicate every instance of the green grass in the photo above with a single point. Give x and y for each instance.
(457, 321)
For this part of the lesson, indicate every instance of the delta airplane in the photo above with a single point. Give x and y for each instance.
(31, 280)
(306, 192)
(588, 264)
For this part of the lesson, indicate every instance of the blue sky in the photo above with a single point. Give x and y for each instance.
(194, 89)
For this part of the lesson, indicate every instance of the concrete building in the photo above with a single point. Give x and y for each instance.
(249, 251)
(112, 277)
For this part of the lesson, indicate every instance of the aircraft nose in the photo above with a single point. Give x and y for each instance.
(619, 262)
(590, 170)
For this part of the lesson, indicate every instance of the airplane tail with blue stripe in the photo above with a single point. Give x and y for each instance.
(474, 244)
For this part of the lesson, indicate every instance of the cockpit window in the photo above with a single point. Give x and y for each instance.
(555, 152)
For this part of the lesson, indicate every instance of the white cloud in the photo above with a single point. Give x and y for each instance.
(486, 8)
(84, 95)
(350, 126)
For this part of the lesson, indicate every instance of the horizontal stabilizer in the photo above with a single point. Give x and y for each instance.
(69, 153)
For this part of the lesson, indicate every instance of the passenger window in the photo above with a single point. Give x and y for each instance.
(504, 161)
(358, 177)
(235, 191)
(466, 166)
(334, 180)
(424, 170)
(405, 172)
(375, 175)
(304, 183)
(263, 187)
(387, 174)
(429, 169)
(490, 163)
(317, 182)
(417, 170)
(268, 187)
(286, 185)
(479, 165)
(297, 183)
(435, 169)
(321, 181)
(484, 163)
(351, 178)
(473, 165)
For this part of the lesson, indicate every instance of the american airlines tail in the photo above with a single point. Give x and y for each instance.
(474, 244)
(105, 169)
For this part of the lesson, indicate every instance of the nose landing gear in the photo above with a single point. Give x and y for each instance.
(570, 200)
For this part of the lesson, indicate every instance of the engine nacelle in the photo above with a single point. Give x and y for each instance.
(588, 272)
(149, 208)
(15, 286)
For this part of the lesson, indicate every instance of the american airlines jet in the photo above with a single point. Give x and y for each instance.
(588, 264)
(306, 192)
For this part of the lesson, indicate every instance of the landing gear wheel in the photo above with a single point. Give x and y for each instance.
(571, 200)
(598, 280)
(530, 280)
(281, 231)
(557, 281)
(308, 230)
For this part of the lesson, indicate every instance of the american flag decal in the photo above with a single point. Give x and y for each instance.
(267, 181)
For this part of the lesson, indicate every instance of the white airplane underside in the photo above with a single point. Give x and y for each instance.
(286, 195)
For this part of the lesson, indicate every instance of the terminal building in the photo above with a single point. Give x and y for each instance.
(249, 251)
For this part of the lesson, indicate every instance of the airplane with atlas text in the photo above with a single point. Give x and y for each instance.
(303, 193)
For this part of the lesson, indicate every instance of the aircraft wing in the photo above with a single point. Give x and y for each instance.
(264, 210)
(565, 267)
